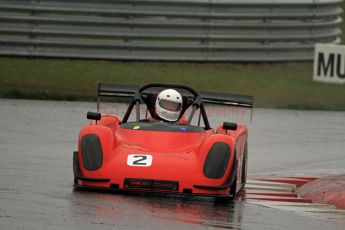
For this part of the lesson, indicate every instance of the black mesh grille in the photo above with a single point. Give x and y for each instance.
(148, 184)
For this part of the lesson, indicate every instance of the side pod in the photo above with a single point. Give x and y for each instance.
(219, 162)
(94, 149)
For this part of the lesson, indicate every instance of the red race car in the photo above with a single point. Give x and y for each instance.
(156, 147)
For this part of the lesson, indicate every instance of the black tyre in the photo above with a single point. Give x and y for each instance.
(226, 199)
(233, 190)
(244, 166)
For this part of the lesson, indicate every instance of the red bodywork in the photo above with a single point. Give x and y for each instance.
(151, 155)
(176, 156)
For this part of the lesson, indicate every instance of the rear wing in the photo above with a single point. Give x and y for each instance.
(115, 90)
(112, 90)
(228, 99)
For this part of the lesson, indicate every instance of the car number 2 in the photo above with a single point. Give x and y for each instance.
(139, 160)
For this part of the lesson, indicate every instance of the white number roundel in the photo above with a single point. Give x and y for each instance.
(139, 160)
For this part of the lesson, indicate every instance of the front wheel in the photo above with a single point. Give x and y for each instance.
(231, 197)
(244, 166)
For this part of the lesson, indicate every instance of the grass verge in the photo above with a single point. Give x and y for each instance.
(272, 85)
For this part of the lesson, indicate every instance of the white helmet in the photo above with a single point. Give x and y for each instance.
(169, 105)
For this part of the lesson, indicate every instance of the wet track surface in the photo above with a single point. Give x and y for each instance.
(36, 143)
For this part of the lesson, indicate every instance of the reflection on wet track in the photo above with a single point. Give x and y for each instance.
(36, 143)
(110, 209)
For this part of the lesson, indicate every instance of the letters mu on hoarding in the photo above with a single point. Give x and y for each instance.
(329, 63)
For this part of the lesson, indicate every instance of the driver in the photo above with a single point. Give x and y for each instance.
(169, 105)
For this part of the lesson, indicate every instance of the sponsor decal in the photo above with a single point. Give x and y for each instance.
(184, 129)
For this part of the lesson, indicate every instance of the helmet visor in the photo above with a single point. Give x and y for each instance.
(170, 105)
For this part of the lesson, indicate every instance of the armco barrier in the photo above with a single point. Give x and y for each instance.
(171, 30)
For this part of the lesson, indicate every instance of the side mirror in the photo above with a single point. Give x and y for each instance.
(230, 126)
(93, 116)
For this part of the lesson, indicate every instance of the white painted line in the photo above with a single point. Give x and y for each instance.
(268, 188)
(251, 191)
(276, 203)
(275, 184)
(274, 198)
(336, 211)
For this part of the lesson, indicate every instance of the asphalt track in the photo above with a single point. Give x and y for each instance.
(36, 143)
